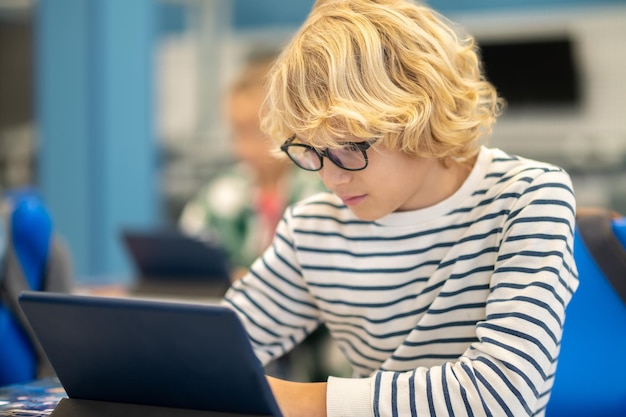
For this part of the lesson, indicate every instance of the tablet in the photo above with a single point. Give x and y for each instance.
(150, 352)
(171, 254)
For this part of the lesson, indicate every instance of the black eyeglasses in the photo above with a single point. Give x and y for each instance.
(351, 156)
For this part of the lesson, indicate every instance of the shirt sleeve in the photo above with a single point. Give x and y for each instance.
(349, 397)
(273, 301)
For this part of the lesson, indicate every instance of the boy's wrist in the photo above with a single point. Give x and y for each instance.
(349, 397)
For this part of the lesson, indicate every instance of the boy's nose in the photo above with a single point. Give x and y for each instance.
(332, 175)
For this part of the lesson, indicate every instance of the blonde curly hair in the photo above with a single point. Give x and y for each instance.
(387, 69)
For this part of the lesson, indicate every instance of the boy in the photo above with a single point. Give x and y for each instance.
(441, 268)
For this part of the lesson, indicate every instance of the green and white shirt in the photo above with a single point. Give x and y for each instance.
(231, 209)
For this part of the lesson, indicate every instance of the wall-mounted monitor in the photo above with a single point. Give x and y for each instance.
(533, 73)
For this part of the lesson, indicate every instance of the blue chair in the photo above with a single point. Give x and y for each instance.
(31, 234)
(591, 375)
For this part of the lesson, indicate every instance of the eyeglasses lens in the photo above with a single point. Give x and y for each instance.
(349, 157)
(305, 157)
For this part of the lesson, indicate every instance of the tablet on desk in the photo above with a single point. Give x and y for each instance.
(169, 262)
(167, 254)
(130, 356)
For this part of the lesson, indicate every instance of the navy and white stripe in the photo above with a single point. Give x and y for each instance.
(456, 309)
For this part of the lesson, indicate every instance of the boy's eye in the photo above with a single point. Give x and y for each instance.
(351, 147)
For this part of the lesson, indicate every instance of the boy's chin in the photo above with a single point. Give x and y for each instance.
(366, 216)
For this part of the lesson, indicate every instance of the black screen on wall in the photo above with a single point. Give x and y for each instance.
(535, 73)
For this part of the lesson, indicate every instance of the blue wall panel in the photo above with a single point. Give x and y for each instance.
(460, 6)
(95, 115)
(63, 119)
(257, 14)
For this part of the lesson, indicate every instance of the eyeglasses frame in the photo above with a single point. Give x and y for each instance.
(362, 146)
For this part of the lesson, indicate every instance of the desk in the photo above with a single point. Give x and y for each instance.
(39, 399)
(33, 399)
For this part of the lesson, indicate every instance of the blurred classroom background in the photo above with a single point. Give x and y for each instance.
(111, 110)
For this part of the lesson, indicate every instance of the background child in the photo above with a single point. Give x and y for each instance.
(243, 204)
(441, 268)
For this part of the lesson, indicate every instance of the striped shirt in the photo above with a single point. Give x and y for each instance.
(452, 310)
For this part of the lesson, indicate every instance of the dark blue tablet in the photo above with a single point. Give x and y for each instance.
(150, 352)
(172, 255)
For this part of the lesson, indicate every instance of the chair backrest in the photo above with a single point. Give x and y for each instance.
(591, 374)
(31, 247)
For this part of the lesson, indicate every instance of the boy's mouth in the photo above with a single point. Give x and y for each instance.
(352, 200)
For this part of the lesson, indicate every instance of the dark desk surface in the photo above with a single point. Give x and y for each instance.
(33, 399)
